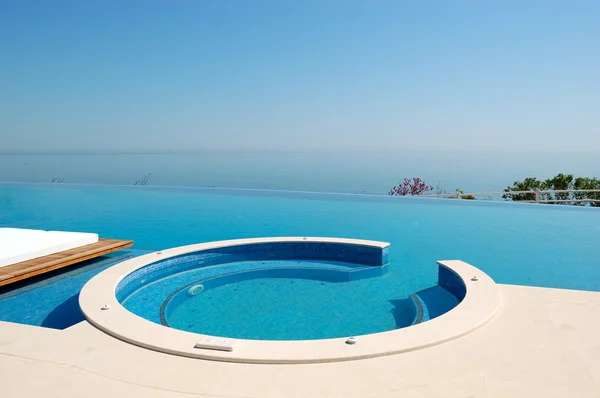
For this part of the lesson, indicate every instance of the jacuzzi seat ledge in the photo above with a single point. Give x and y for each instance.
(482, 300)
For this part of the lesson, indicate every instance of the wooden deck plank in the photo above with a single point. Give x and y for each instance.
(27, 269)
(85, 253)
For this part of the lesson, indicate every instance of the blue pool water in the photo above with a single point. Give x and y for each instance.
(52, 299)
(298, 308)
(313, 307)
(282, 291)
(535, 245)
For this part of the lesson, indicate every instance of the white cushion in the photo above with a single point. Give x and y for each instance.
(17, 245)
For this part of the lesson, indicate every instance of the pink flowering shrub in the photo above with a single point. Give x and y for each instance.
(413, 187)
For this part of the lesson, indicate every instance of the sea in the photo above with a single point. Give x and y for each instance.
(317, 171)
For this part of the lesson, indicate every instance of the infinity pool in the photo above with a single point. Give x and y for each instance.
(535, 245)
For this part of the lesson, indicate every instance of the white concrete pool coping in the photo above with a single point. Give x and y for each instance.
(481, 302)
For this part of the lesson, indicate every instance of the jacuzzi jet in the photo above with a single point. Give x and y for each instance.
(194, 290)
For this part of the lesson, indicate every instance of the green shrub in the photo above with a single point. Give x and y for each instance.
(557, 183)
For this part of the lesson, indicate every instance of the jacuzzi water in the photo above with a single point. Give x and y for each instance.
(294, 309)
(534, 245)
(267, 306)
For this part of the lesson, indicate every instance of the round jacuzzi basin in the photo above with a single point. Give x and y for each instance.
(280, 300)
(285, 300)
(274, 299)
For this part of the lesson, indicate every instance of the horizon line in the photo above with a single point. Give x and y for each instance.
(293, 151)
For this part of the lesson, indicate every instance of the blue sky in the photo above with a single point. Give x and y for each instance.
(272, 75)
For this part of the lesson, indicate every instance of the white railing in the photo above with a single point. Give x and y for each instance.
(538, 195)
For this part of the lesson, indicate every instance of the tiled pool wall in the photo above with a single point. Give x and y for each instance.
(371, 256)
(452, 282)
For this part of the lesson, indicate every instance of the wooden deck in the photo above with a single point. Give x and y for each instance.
(27, 269)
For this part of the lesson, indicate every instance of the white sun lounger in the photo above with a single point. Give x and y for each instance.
(17, 245)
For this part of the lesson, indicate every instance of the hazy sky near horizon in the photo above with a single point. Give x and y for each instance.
(150, 75)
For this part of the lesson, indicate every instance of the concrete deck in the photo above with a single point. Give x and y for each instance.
(542, 343)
